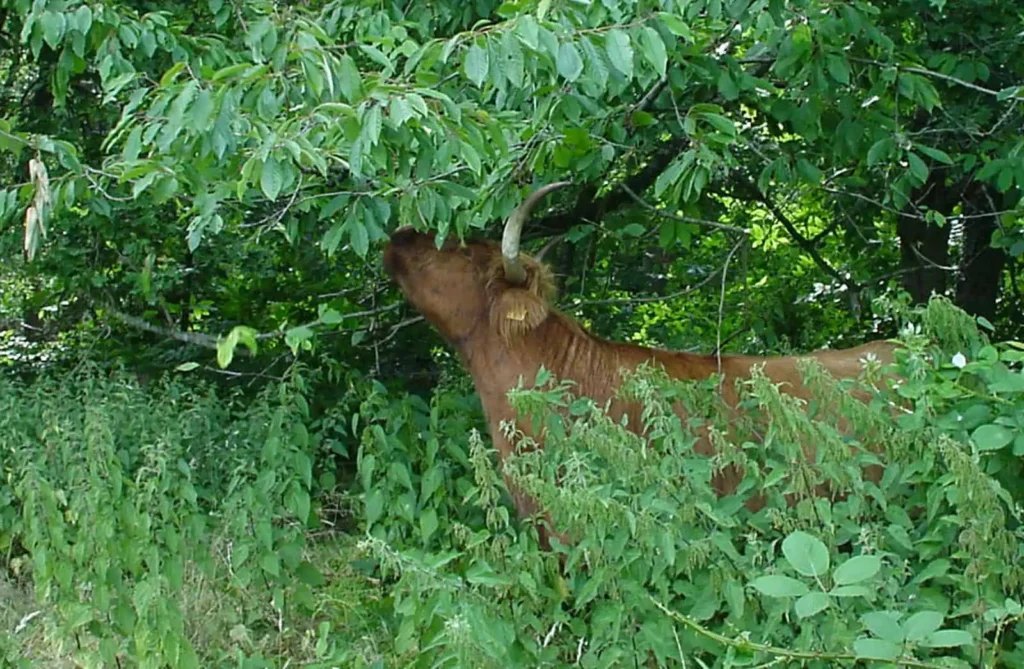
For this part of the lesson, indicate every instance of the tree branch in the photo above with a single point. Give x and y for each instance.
(806, 244)
(592, 209)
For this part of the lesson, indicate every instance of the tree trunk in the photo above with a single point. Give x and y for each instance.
(981, 269)
(924, 249)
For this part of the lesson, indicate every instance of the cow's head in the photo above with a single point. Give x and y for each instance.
(461, 288)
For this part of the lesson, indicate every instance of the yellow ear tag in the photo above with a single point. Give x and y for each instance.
(516, 313)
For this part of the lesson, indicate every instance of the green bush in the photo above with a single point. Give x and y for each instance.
(162, 527)
(926, 566)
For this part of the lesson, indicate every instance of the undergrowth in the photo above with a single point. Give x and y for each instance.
(924, 566)
(176, 526)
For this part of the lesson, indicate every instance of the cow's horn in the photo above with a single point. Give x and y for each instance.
(514, 272)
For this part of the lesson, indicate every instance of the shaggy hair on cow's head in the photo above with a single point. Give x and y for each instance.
(517, 309)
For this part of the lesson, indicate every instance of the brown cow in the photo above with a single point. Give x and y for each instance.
(494, 306)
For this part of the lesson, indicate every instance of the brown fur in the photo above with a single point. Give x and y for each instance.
(505, 333)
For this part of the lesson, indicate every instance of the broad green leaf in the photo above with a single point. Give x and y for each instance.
(399, 110)
(806, 553)
(921, 624)
(849, 591)
(726, 86)
(884, 624)
(653, 48)
(808, 171)
(271, 178)
(332, 239)
(331, 317)
(880, 150)
(948, 639)
(569, 64)
(428, 523)
(839, 68)
(476, 65)
(720, 123)
(482, 573)
(776, 585)
(358, 236)
(202, 110)
(992, 437)
(53, 24)
(876, 649)
(620, 51)
(935, 154)
(857, 569)
(917, 167)
(676, 26)
(811, 603)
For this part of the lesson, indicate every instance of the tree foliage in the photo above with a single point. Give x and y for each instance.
(230, 166)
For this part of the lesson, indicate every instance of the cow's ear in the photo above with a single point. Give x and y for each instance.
(517, 311)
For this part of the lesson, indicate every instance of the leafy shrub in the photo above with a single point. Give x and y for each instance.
(924, 566)
(157, 527)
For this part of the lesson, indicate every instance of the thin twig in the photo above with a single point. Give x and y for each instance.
(806, 244)
(931, 73)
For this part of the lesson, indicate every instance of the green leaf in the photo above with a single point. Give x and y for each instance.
(187, 366)
(849, 591)
(839, 68)
(935, 154)
(332, 239)
(481, 573)
(307, 573)
(917, 167)
(358, 237)
(399, 111)
(720, 123)
(811, 603)
(271, 178)
(669, 177)
(806, 553)
(476, 65)
(857, 569)
(202, 110)
(428, 523)
(570, 65)
(876, 649)
(654, 49)
(331, 317)
(992, 437)
(921, 624)
(884, 624)
(620, 51)
(676, 26)
(53, 24)
(948, 639)
(726, 86)
(374, 502)
(83, 19)
(880, 150)
(776, 585)
(808, 171)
